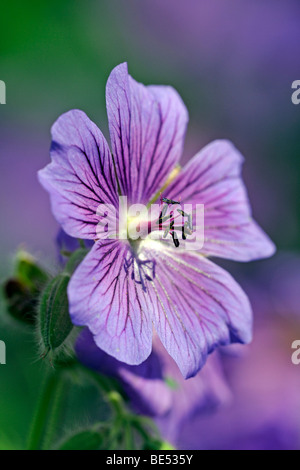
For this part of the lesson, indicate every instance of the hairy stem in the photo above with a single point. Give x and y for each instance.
(39, 421)
(54, 413)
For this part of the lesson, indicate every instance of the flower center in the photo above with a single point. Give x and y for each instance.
(173, 220)
(167, 218)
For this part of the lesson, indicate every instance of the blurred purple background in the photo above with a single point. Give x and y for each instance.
(233, 64)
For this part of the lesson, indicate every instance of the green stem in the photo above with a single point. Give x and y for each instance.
(40, 416)
(116, 403)
(81, 243)
(129, 439)
(54, 413)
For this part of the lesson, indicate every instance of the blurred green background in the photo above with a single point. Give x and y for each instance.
(233, 66)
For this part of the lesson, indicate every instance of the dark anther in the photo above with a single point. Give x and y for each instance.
(184, 214)
(184, 227)
(169, 201)
(175, 239)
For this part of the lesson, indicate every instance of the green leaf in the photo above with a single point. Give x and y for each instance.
(83, 440)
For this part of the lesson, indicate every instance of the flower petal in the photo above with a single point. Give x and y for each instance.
(213, 178)
(196, 306)
(103, 297)
(144, 383)
(147, 127)
(204, 393)
(80, 176)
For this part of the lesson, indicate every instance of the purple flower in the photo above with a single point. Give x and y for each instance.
(124, 288)
(264, 412)
(156, 387)
(66, 243)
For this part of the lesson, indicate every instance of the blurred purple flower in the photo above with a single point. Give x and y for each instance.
(265, 410)
(276, 31)
(156, 387)
(122, 289)
(222, 49)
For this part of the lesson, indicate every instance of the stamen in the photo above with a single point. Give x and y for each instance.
(141, 270)
(166, 232)
(184, 214)
(167, 221)
(169, 201)
(164, 219)
(162, 215)
(175, 239)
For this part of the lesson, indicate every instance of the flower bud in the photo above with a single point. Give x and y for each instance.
(21, 291)
(29, 273)
(54, 319)
(20, 303)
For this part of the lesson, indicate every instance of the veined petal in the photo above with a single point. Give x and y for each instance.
(103, 297)
(195, 305)
(80, 176)
(213, 178)
(144, 383)
(147, 127)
